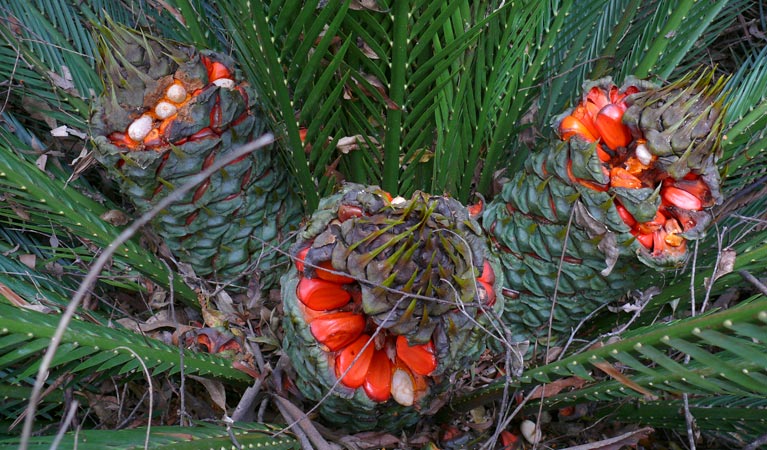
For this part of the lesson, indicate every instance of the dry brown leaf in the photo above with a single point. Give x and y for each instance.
(370, 5)
(20, 211)
(215, 390)
(12, 296)
(41, 162)
(622, 379)
(725, 265)
(555, 387)
(625, 440)
(28, 260)
(115, 217)
(371, 439)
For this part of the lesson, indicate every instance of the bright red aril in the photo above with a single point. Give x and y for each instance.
(356, 371)
(321, 295)
(337, 330)
(419, 358)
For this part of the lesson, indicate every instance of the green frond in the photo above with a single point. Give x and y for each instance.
(202, 436)
(53, 205)
(89, 348)
(726, 351)
(739, 418)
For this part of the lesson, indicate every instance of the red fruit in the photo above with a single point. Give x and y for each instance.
(510, 441)
(626, 216)
(476, 209)
(583, 114)
(645, 240)
(346, 212)
(216, 71)
(377, 384)
(357, 370)
(611, 128)
(571, 126)
(488, 274)
(300, 257)
(321, 295)
(597, 97)
(489, 291)
(325, 275)
(419, 358)
(654, 225)
(602, 154)
(680, 198)
(622, 178)
(337, 330)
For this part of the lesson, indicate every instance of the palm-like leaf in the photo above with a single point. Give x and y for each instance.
(201, 437)
(89, 348)
(726, 357)
(53, 205)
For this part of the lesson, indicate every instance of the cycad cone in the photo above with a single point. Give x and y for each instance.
(634, 176)
(427, 245)
(168, 113)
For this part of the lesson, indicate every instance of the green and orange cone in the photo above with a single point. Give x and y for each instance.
(168, 113)
(634, 177)
(388, 300)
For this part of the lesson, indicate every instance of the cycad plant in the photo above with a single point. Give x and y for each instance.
(472, 238)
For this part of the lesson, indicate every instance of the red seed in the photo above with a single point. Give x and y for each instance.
(582, 113)
(611, 128)
(216, 71)
(570, 126)
(654, 225)
(337, 330)
(645, 240)
(325, 275)
(300, 257)
(489, 292)
(680, 198)
(357, 370)
(476, 209)
(346, 212)
(321, 295)
(597, 97)
(419, 358)
(377, 384)
(625, 215)
(488, 274)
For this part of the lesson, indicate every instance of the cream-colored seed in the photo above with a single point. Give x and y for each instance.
(227, 83)
(176, 93)
(402, 389)
(163, 110)
(530, 431)
(140, 128)
(643, 155)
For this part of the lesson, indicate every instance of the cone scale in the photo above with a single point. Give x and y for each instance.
(417, 273)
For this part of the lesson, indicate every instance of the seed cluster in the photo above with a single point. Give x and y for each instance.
(153, 128)
(628, 164)
(388, 365)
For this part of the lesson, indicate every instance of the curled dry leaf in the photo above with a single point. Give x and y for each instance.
(348, 143)
(28, 260)
(115, 217)
(555, 387)
(370, 5)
